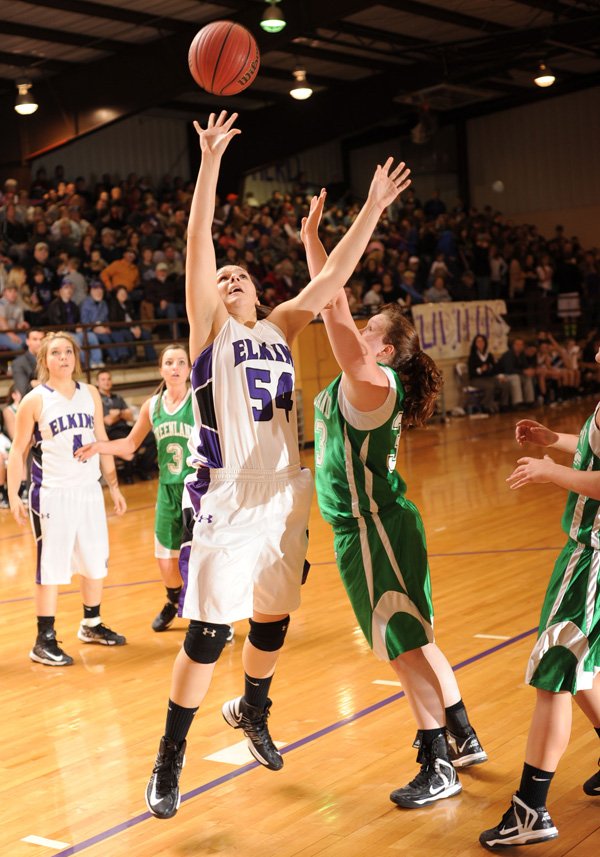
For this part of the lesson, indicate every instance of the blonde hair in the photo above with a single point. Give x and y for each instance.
(16, 277)
(42, 366)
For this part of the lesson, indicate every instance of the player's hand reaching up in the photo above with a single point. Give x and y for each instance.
(387, 183)
(217, 135)
(530, 431)
(310, 224)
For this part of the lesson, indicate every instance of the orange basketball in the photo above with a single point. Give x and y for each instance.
(223, 58)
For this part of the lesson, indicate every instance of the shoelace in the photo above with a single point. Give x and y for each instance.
(509, 814)
(167, 771)
(257, 728)
(422, 777)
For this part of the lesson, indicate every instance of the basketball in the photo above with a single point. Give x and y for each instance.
(223, 58)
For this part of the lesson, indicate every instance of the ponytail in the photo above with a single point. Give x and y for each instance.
(421, 378)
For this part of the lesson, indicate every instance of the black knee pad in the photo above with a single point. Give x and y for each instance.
(205, 641)
(268, 636)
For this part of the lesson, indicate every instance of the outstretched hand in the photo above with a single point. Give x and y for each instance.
(217, 135)
(310, 224)
(387, 183)
(530, 431)
(531, 470)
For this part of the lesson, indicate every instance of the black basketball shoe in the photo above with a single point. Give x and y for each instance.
(465, 749)
(100, 634)
(165, 617)
(47, 651)
(592, 786)
(253, 722)
(436, 780)
(162, 792)
(520, 825)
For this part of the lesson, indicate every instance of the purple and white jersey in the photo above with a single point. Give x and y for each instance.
(244, 402)
(64, 425)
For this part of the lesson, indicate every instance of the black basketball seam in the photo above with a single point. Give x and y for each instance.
(212, 84)
(223, 88)
(197, 65)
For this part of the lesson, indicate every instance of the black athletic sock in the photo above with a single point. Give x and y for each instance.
(91, 612)
(428, 736)
(597, 730)
(535, 785)
(178, 723)
(256, 690)
(457, 719)
(173, 594)
(45, 623)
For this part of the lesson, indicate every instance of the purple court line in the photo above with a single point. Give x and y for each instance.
(314, 736)
(314, 564)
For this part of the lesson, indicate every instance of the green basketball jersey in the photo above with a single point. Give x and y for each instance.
(355, 467)
(580, 518)
(172, 432)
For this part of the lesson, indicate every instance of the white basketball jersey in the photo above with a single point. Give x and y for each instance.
(244, 401)
(64, 426)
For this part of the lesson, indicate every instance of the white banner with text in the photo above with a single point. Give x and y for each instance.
(447, 330)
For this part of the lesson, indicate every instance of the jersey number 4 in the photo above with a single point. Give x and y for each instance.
(258, 386)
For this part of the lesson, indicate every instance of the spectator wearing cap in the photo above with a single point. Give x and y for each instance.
(12, 320)
(158, 301)
(64, 312)
(40, 256)
(123, 272)
(94, 310)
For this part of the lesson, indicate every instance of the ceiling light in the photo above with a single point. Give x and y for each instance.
(544, 76)
(272, 19)
(301, 90)
(26, 102)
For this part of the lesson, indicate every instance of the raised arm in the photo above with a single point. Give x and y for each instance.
(123, 446)
(205, 310)
(364, 382)
(292, 316)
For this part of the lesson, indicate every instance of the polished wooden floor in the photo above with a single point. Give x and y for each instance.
(78, 743)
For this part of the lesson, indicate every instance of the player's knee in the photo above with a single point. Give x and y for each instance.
(268, 636)
(204, 641)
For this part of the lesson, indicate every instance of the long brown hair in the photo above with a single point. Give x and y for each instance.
(42, 373)
(161, 387)
(421, 378)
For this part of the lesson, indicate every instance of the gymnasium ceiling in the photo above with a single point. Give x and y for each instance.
(370, 64)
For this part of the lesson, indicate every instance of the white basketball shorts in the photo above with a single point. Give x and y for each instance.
(248, 546)
(69, 526)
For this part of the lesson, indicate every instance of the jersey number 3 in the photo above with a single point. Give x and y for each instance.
(258, 381)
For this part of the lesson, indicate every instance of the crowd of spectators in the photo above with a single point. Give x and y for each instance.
(111, 257)
(540, 370)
